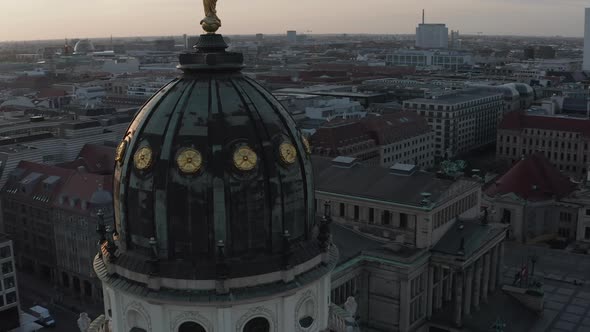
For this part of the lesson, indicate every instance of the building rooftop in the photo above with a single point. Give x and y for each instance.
(465, 238)
(521, 120)
(533, 179)
(457, 98)
(380, 184)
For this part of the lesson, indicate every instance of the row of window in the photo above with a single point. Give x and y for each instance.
(454, 210)
(543, 143)
(385, 218)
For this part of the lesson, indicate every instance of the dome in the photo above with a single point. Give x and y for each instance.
(101, 197)
(214, 172)
(84, 46)
(524, 89)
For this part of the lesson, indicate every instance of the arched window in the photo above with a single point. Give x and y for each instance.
(136, 321)
(191, 327)
(306, 314)
(257, 324)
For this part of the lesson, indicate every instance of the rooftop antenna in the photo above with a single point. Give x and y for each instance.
(423, 21)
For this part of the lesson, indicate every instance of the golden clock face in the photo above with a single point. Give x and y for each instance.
(143, 158)
(120, 153)
(288, 153)
(245, 158)
(306, 144)
(189, 161)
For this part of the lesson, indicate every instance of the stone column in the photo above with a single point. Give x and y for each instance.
(485, 277)
(500, 263)
(494, 269)
(404, 302)
(467, 296)
(449, 288)
(458, 299)
(430, 281)
(439, 288)
(477, 284)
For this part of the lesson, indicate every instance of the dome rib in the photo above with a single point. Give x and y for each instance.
(305, 168)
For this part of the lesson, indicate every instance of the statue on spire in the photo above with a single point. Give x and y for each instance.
(211, 22)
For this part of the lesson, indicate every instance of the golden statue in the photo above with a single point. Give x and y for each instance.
(211, 22)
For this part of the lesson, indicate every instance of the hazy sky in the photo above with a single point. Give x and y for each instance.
(44, 19)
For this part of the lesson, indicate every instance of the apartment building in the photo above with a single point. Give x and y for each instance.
(563, 141)
(379, 139)
(9, 304)
(461, 121)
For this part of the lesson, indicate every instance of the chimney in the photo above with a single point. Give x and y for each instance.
(423, 16)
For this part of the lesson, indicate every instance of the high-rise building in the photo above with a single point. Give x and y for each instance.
(292, 36)
(586, 65)
(432, 35)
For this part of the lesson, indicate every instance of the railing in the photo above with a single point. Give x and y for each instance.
(337, 319)
(100, 324)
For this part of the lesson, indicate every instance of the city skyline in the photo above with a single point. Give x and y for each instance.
(64, 18)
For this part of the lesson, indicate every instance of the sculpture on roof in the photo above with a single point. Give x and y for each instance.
(211, 22)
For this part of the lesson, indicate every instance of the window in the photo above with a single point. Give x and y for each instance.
(5, 252)
(305, 314)
(6, 267)
(565, 217)
(10, 297)
(342, 210)
(8, 282)
(588, 212)
(371, 215)
(258, 324)
(403, 220)
(191, 327)
(356, 212)
(385, 217)
(587, 233)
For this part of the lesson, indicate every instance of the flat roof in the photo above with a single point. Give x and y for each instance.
(456, 98)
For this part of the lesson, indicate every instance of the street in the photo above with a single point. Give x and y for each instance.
(37, 292)
(566, 279)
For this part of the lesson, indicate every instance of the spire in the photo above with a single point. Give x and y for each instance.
(210, 52)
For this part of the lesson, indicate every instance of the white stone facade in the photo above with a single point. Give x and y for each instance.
(282, 311)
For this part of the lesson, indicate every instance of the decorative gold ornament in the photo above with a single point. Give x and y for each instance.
(245, 158)
(143, 158)
(211, 23)
(306, 144)
(120, 152)
(189, 161)
(288, 153)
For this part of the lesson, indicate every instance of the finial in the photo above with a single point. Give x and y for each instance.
(211, 23)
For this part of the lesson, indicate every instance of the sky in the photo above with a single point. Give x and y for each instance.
(52, 19)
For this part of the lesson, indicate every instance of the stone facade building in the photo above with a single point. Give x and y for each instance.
(414, 249)
(535, 200)
(563, 141)
(379, 139)
(461, 121)
(51, 214)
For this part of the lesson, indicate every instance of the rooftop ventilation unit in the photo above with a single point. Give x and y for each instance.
(403, 169)
(344, 161)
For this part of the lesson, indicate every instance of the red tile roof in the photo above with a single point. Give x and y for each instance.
(396, 126)
(72, 184)
(521, 120)
(337, 136)
(533, 179)
(377, 130)
(97, 159)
